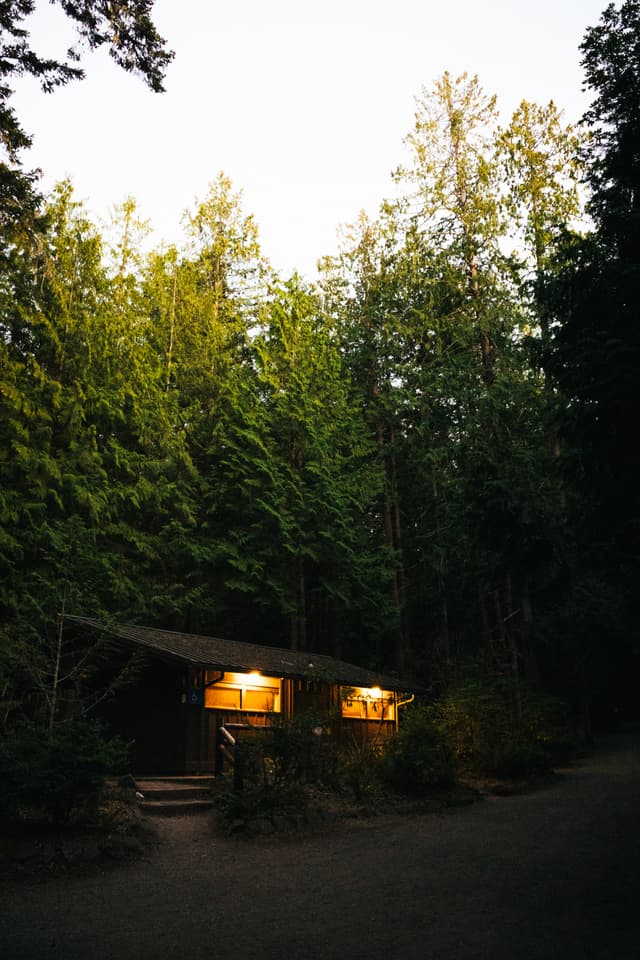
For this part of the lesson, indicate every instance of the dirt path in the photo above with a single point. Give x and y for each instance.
(554, 874)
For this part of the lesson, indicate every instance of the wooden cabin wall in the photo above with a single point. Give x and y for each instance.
(151, 717)
(313, 697)
(170, 736)
(359, 733)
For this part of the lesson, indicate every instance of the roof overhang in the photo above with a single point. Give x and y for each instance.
(214, 653)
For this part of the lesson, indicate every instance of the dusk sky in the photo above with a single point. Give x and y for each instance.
(303, 106)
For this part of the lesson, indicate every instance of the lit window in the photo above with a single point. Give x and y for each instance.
(244, 691)
(368, 703)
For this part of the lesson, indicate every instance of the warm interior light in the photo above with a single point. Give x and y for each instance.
(249, 691)
(368, 703)
(252, 679)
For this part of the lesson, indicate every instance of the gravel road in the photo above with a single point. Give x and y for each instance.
(552, 874)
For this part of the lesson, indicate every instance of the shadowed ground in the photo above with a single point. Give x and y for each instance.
(553, 874)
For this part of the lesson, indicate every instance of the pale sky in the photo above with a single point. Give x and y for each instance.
(304, 106)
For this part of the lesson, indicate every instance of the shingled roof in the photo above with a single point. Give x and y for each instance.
(217, 654)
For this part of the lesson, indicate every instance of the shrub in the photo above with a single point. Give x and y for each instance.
(419, 757)
(273, 767)
(515, 758)
(359, 770)
(300, 749)
(257, 801)
(59, 776)
(499, 728)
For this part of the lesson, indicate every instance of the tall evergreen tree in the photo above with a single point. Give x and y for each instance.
(294, 479)
(542, 173)
(89, 453)
(593, 357)
(595, 354)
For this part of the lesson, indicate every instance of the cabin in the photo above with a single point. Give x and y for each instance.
(191, 687)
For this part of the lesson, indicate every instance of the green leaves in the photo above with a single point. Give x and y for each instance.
(292, 470)
(368, 470)
(542, 170)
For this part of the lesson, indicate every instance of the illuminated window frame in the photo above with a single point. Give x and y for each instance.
(244, 692)
(368, 703)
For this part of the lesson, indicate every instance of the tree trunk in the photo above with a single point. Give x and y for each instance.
(444, 647)
(172, 322)
(532, 671)
(510, 636)
(298, 623)
(390, 533)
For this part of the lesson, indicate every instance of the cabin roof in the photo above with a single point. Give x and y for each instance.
(234, 655)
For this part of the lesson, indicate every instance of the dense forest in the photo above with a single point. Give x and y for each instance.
(425, 461)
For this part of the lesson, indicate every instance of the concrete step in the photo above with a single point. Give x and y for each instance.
(174, 796)
(192, 780)
(164, 790)
(174, 808)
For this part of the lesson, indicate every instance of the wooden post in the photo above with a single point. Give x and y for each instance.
(202, 742)
(218, 759)
(238, 763)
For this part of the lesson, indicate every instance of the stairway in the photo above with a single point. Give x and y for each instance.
(174, 796)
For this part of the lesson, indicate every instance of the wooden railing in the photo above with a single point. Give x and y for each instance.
(230, 749)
